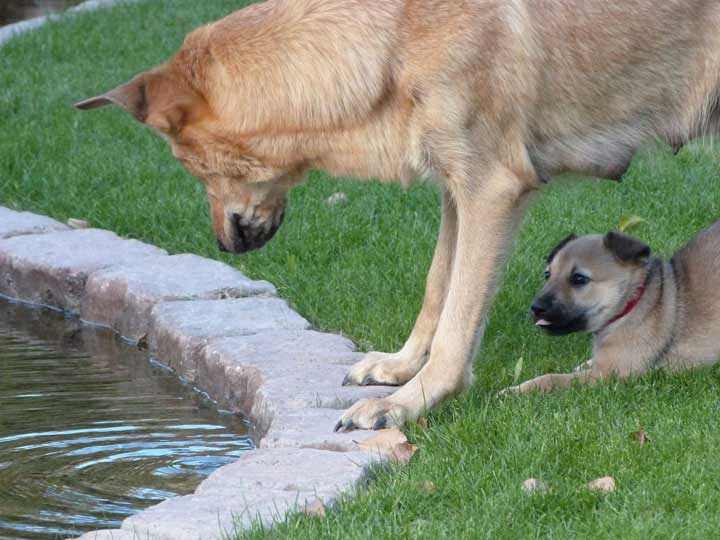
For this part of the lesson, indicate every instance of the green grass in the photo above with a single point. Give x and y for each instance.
(359, 269)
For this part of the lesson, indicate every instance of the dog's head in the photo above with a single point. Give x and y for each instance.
(247, 186)
(589, 280)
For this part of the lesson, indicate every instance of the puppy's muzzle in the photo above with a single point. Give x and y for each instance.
(539, 308)
(251, 233)
(554, 318)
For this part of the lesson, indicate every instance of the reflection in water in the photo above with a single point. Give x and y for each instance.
(90, 431)
(17, 10)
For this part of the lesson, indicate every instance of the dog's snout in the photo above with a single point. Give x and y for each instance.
(250, 234)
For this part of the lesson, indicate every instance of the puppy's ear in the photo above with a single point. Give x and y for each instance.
(153, 98)
(625, 248)
(569, 238)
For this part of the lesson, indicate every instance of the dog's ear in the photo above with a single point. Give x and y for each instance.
(131, 96)
(153, 98)
(569, 238)
(625, 248)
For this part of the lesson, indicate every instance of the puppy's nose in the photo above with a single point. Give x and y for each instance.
(539, 307)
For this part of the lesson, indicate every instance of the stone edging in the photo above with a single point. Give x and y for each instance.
(11, 30)
(228, 335)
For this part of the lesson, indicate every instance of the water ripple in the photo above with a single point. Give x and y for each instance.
(91, 432)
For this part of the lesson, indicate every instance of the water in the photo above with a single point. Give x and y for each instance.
(91, 431)
(17, 10)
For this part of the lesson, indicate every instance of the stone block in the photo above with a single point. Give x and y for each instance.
(267, 375)
(313, 428)
(52, 269)
(21, 223)
(180, 330)
(110, 534)
(261, 486)
(123, 296)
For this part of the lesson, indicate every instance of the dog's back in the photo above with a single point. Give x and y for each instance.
(697, 274)
(620, 73)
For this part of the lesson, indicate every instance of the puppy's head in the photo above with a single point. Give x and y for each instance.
(589, 280)
(246, 180)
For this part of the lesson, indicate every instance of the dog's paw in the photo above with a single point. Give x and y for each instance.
(510, 391)
(378, 368)
(372, 414)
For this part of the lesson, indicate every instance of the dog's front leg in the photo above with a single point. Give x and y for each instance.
(488, 217)
(398, 368)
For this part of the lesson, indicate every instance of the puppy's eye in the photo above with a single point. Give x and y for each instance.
(578, 280)
(547, 274)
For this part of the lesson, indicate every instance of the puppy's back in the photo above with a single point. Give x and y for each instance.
(697, 274)
(700, 258)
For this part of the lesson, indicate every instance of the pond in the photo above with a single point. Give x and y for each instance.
(91, 431)
(17, 10)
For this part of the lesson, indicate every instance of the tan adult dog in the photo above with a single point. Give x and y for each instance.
(644, 312)
(490, 98)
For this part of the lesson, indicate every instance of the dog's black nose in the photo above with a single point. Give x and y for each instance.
(539, 307)
(251, 233)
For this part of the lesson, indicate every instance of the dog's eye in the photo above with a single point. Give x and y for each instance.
(579, 280)
(547, 274)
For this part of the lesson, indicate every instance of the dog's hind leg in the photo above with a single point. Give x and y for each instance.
(398, 368)
(489, 212)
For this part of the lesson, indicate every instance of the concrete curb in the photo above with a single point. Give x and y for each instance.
(228, 335)
(11, 30)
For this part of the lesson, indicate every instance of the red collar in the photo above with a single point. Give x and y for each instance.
(629, 306)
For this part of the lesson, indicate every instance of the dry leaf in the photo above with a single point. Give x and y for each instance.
(316, 508)
(533, 485)
(383, 438)
(606, 483)
(336, 198)
(292, 264)
(427, 486)
(640, 436)
(389, 443)
(404, 452)
(422, 422)
(628, 222)
(518, 370)
(74, 223)
(142, 343)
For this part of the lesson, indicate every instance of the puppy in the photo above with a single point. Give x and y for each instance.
(643, 312)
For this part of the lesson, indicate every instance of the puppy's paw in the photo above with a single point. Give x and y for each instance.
(584, 366)
(377, 368)
(510, 391)
(373, 414)
(545, 383)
